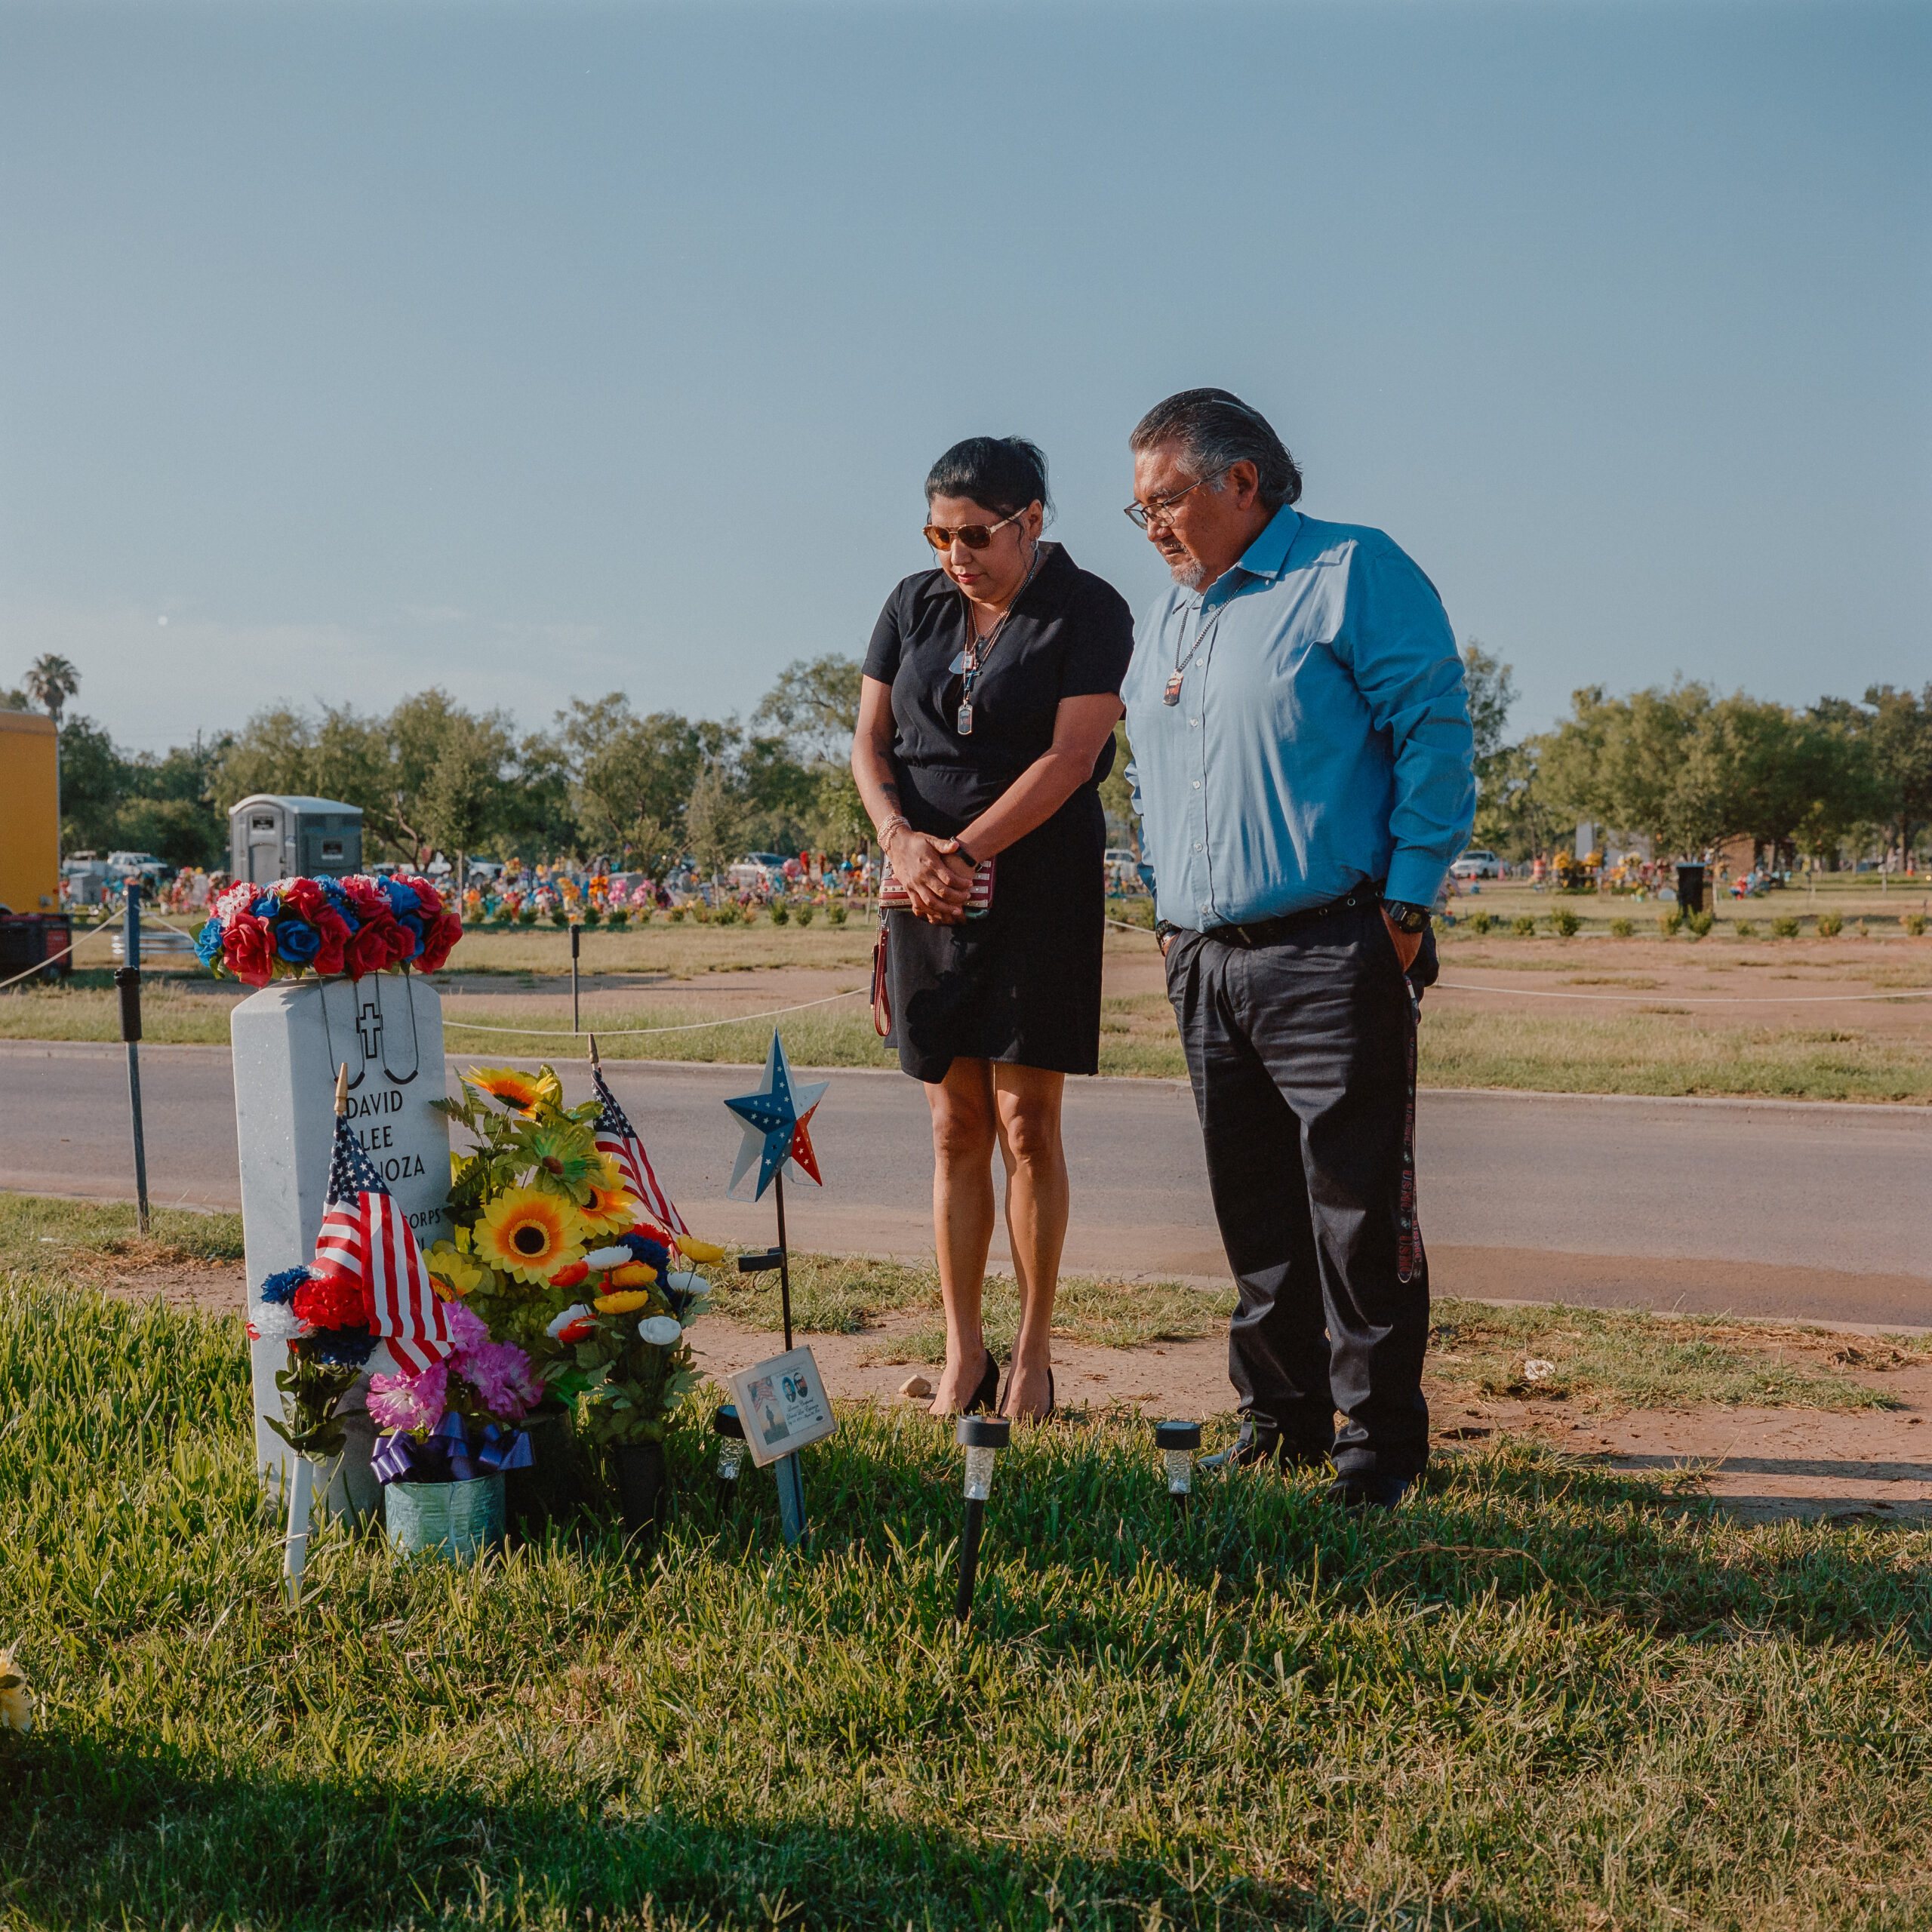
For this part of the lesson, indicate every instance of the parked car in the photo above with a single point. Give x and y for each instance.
(1123, 869)
(758, 872)
(1477, 864)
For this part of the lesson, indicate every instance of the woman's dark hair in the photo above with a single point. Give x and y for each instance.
(1003, 473)
(1214, 428)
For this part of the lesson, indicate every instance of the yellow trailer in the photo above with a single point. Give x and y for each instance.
(29, 813)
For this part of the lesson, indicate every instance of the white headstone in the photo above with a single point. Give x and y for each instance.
(289, 1038)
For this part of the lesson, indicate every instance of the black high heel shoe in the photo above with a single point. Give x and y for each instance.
(1047, 1414)
(986, 1398)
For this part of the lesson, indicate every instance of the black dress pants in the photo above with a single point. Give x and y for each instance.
(1301, 1055)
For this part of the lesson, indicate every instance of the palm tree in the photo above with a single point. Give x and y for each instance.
(52, 680)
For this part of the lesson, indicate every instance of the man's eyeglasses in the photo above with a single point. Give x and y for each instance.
(974, 536)
(1163, 507)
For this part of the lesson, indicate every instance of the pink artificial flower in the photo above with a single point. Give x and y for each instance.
(467, 1328)
(506, 1384)
(408, 1403)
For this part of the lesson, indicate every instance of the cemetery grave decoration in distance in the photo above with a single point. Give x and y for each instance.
(556, 1254)
(329, 926)
(782, 1399)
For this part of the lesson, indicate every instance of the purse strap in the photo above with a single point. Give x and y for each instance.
(881, 981)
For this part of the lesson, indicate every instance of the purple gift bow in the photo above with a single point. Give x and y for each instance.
(445, 1455)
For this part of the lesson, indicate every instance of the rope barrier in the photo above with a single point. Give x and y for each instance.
(109, 926)
(1678, 999)
(614, 1033)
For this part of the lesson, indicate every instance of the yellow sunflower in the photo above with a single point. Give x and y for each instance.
(454, 1270)
(529, 1234)
(611, 1208)
(525, 1093)
(16, 1698)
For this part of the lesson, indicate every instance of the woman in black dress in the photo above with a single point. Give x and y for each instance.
(985, 724)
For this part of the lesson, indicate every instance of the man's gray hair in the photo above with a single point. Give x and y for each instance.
(1215, 429)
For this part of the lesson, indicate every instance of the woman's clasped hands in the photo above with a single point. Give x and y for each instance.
(938, 879)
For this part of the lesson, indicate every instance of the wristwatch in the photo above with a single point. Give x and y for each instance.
(1406, 917)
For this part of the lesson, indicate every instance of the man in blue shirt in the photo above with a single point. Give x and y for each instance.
(1302, 766)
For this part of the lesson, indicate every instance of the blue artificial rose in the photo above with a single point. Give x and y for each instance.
(402, 898)
(297, 940)
(412, 924)
(652, 1253)
(265, 906)
(338, 901)
(351, 1347)
(282, 1287)
(207, 943)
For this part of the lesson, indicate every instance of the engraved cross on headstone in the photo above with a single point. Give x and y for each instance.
(369, 1026)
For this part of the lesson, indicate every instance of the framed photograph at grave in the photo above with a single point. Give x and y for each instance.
(783, 1404)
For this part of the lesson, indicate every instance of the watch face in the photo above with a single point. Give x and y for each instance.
(1409, 919)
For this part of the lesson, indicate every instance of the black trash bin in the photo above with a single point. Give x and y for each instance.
(1690, 888)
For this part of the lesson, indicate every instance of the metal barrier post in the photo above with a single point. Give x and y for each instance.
(128, 983)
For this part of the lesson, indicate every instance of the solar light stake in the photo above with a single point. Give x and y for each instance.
(576, 933)
(731, 1434)
(1177, 1442)
(982, 1437)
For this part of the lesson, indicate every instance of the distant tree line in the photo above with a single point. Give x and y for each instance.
(1691, 769)
(433, 775)
(1682, 765)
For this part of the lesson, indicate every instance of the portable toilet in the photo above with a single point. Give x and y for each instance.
(272, 837)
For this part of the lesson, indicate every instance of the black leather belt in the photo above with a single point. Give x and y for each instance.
(1272, 932)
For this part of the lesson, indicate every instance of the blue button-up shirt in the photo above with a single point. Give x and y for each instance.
(1322, 737)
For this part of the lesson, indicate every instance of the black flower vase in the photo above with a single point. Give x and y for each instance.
(643, 1487)
(551, 1489)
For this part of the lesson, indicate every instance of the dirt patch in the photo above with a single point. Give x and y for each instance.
(213, 1288)
(1755, 1463)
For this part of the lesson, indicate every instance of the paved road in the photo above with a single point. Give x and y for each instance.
(1760, 1207)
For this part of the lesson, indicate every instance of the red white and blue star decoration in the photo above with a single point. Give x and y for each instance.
(777, 1124)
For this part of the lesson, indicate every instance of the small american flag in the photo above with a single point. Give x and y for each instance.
(617, 1137)
(366, 1238)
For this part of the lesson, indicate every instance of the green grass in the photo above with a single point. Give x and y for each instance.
(39, 1233)
(1668, 1050)
(1607, 1360)
(1535, 1696)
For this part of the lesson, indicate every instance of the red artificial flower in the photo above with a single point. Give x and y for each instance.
(302, 896)
(333, 1301)
(438, 940)
(367, 898)
(247, 947)
(427, 897)
(332, 929)
(569, 1275)
(368, 950)
(400, 941)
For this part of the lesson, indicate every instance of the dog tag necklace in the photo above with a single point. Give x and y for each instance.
(1171, 695)
(972, 660)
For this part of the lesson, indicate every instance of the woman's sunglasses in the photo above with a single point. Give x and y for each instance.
(974, 536)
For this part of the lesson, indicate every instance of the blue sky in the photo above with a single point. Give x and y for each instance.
(544, 350)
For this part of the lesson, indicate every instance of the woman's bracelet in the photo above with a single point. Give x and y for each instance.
(891, 825)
